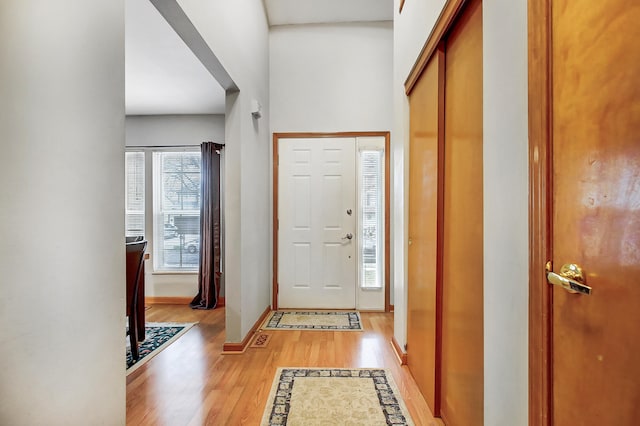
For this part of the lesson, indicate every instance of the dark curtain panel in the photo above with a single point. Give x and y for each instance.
(209, 271)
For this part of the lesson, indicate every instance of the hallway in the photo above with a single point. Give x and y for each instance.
(192, 383)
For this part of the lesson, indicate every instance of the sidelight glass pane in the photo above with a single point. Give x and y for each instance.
(371, 218)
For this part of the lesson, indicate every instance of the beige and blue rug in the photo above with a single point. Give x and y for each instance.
(314, 320)
(336, 396)
(158, 335)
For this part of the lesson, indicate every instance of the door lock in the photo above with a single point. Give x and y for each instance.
(571, 278)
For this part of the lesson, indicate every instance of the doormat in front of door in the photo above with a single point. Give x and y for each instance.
(332, 396)
(314, 320)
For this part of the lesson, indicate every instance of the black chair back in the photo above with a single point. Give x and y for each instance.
(134, 265)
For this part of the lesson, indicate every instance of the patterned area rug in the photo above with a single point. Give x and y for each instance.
(314, 320)
(302, 396)
(158, 335)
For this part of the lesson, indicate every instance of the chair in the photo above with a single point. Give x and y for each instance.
(134, 265)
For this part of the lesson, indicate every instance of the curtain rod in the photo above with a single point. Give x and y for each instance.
(168, 146)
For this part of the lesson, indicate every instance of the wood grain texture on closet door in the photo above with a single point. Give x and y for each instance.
(462, 323)
(425, 157)
(595, 211)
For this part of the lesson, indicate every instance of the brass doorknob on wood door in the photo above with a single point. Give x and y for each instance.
(571, 278)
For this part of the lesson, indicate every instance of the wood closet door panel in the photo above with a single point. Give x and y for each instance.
(596, 211)
(425, 155)
(462, 299)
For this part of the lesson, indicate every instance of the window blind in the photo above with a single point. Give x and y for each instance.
(371, 217)
(177, 210)
(134, 194)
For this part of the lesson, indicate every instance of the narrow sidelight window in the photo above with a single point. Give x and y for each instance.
(371, 220)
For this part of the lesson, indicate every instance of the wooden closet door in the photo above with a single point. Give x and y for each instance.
(595, 211)
(584, 168)
(462, 298)
(425, 155)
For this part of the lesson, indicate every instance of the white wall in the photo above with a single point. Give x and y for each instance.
(62, 251)
(331, 77)
(163, 130)
(506, 241)
(411, 30)
(505, 194)
(237, 33)
(169, 130)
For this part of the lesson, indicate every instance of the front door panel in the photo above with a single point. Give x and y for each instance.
(316, 257)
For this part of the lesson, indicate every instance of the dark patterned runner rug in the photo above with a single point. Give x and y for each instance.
(158, 335)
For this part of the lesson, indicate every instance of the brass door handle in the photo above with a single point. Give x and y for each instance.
(571, 278)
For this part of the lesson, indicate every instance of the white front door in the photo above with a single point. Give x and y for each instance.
(317, 223)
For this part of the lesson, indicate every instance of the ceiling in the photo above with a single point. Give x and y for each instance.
(290, 12)
(163, 76)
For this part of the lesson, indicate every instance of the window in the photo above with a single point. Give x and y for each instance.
(176, 194)
(134, 194)
(371, 191)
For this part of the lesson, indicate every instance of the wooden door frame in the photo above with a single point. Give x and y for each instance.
(540, 209)
(387, 222)
(444, 23)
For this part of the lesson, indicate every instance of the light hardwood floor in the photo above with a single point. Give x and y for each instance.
(192, 383)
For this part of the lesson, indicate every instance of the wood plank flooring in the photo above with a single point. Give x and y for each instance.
(192, 383)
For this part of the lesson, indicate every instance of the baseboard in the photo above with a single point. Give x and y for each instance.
(402, 355)
(235, 348)
(163, 300)
(167, 300)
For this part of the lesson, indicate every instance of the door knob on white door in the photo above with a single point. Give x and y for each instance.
(348, 236)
